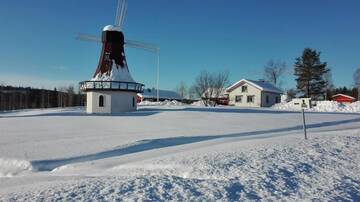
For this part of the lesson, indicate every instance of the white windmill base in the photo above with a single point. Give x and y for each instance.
(110, 102)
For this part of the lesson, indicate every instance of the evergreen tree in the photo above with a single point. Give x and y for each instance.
(311, 74)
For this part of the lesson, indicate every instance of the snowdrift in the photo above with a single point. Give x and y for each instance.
(13, 167)
(199, 103)
(163, 103)
(323, 106)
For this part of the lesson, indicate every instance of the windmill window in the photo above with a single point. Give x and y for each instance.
(101, 101)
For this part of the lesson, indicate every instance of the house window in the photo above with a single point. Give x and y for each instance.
(250, 98)
(277, 99)
(267, 99)
(133, 101)
(244, 89)
(101, 101)
(238, 98)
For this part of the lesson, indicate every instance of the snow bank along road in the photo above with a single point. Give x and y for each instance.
(178, 152)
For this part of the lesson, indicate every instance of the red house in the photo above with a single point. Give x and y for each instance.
(343, 98)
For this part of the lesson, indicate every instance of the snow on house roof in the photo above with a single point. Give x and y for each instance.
(262, 85)
(163, 94)
(348, 96)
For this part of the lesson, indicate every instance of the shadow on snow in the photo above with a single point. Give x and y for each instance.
(151, 144)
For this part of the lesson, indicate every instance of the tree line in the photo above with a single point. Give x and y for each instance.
(209, 86)
(313, 80)
(13, 98)
(313, 77)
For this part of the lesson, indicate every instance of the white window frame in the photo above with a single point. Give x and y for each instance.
(238, 101)
(252, 100)
(242, 89)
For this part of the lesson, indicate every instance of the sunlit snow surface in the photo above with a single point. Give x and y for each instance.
(169, 151)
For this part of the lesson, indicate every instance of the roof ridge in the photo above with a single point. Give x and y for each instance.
(258, 84)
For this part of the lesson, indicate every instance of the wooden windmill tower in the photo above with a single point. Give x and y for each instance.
(112, 88)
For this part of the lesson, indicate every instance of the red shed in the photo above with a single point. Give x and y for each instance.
(343, 98)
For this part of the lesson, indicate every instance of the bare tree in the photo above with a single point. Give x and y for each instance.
(274, 71)
(70, 90)
(291, 93)
(192, 93)
(209, 86)
(356, 77)
(329, 84)
(182, 90)
(202, 86)
(221, 79)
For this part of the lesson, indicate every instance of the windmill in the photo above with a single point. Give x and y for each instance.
(112, 89)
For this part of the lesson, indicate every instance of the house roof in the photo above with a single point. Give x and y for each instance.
(163, 94)
(262, 85)
(348, 96)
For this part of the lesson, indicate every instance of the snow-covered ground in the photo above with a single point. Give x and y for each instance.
(179, 152)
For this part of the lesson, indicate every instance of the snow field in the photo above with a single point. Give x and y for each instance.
(178, 153)
(322, 106)
(322, 168)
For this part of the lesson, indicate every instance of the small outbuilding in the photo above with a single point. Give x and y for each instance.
(342, 98)
(150, 94)
(250, 93)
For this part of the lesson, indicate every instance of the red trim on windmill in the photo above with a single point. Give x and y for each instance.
(112, 50)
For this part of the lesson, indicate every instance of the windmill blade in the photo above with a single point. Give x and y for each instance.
(142, 45)
(120, 13)
(85, 37)
(123, 15)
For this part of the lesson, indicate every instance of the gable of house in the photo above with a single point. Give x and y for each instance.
(249, 93)
(245, 94)
(261, 85)
(343, 98)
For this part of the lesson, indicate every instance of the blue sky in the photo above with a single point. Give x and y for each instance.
(38, 45)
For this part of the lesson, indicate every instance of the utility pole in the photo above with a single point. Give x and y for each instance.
(157, 74)
(304, 123)
(303, 106)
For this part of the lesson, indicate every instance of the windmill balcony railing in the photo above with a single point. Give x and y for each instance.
(112, 86)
